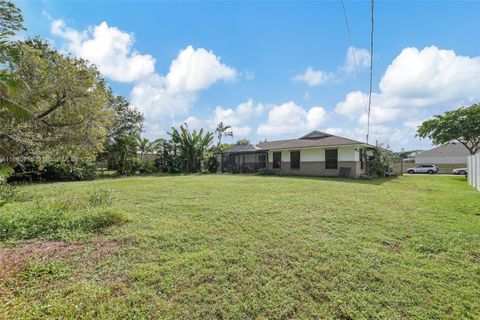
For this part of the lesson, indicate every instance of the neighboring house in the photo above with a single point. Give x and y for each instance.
(446, 158)
(315, 154)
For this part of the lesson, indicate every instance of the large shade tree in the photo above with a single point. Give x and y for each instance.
(127, 121)
(66, 98)
(11, 21)
(462, 125)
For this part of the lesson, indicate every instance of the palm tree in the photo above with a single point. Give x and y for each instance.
(127, 147)
(145, 146)
(222, 131)
(191, 146)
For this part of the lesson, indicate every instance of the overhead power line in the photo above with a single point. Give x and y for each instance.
(372, 7)
(353, 49)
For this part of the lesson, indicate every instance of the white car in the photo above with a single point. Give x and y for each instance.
(424, 168)
(460, 171)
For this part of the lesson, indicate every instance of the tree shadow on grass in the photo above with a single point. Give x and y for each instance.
(376, 181)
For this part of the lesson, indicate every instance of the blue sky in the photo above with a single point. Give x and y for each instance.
(276, 70)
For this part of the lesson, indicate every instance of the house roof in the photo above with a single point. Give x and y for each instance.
(453, 149)
(313, 139)
(242, 148)
(310, 140)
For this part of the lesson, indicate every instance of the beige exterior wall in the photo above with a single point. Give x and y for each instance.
(318, 154)
(310, 155)
(312, 162)
(317, 168)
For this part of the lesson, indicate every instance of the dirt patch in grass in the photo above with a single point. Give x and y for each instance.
(13, 260)
(16, 259)
(102, 249)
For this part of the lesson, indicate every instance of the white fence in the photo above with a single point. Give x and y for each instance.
(473, 163)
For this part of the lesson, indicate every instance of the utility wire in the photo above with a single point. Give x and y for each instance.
(353, 49)
(372, 7)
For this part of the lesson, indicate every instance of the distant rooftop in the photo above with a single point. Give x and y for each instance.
(451, 149)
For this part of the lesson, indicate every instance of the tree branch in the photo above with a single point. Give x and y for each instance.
(57, 105)
(470, 149)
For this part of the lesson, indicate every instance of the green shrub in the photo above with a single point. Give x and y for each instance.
(212, 163)
(5, 172)
(54, 171)
(147, 166)
(55, 220)
(63, 171)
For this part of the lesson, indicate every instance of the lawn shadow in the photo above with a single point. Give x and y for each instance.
(376, 181)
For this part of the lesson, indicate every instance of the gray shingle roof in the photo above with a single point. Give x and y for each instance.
(242, 148)
(305, 142)
(448, 150)
(310, 140)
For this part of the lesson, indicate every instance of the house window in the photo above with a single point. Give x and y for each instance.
(277, 160)
(294, 159)
(331, 158)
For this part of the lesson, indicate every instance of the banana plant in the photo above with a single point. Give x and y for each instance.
(192, 146)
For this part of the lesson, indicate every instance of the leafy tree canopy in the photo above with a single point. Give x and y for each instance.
(462, 125)
(11, 19)
(127, 119)
(242, 142)
(66, 98)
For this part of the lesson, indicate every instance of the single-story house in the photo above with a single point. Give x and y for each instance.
(314, 154)
(446, 157)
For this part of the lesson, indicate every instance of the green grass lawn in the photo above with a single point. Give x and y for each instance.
(239, 246)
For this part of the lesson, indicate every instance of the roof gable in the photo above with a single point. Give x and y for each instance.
(315, 134)
(316, 140)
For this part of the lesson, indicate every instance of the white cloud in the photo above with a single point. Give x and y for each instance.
(362, 57)
(313, 77)
(194, 123)
(236, 118)
(337, 131)
(429, 78)
(164, 98)
(289, 118)
(379, 115)
(107, 47)
(195, 70)
(315, 117)
(353, 104)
